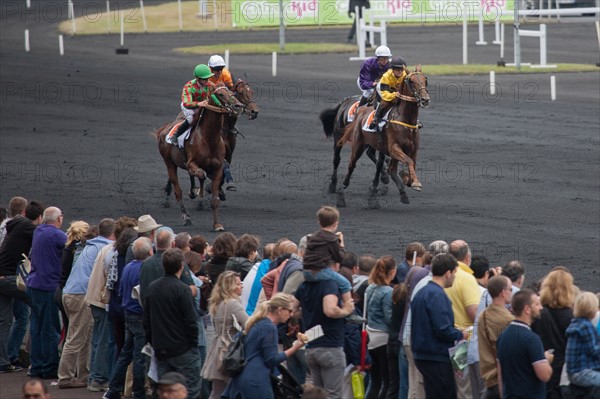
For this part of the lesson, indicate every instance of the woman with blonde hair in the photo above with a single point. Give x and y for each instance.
(379, 323)
(583, 343)
(557, 294)
(261, 350)
(226, 309)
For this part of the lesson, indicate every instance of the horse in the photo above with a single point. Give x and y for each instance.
(334, 122)
(203, 153)
(245, 95)
(399, 138)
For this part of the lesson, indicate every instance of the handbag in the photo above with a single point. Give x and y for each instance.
(23, 269)
(234, 359)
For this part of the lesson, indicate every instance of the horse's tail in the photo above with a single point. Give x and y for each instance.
(158, 131)
(327, 118)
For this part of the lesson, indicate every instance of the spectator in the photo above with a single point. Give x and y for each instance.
(272, 282)
(320, 302)
(523, 366)
(557, 295)
(490, 324)
(170, 322)
(583, 343)
(223, 248)
(465, 296)
(172, 385)
(182, 241)
(433, 331)
(515, 271)
(399, 303)
(16, 206)
(195, 257)
(379, 316)
(14, 302)
(360, 281)
(35, 389)
(225, 306)
(44, 278)
(406, 264)
(146, 227)
(261, 349)
(481, 270)
(246, 251)
(135, 338)
(352, 4)
(252, 285)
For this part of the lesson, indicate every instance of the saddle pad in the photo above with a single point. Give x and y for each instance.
(382, 123)
(181, 140)
(352, 112)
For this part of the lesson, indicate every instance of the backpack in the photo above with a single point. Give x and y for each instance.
(23, 270)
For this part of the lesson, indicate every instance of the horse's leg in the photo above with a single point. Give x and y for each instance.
(168, 190)
(172, 169)
(214, 200)
(397, 153)
(393, 172)
(358, 147)
(385, 178)
(337, 149)
(373, 195)
(192, 193)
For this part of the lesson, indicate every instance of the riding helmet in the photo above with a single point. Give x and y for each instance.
(398, 62)
(216, 61)
(383, 51)
(202, 71)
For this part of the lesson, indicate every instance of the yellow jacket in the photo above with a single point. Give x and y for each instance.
(390, 84)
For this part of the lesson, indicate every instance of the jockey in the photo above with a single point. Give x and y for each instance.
(389, 89)
(216, 63)
(194, 96)
(372, 70)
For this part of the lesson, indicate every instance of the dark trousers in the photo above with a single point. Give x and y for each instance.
(380, 378)
(8, 293)
(187, 365)
(438, 378)
(393, 352)
(492, 393)
(45, 333)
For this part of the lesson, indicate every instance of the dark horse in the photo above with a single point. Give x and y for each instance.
(400, 139)
(334, 122)
(203, 152)
(245, 95)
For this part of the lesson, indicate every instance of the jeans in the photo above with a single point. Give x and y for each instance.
(227, 172)
(102, 347)
(438, 378)
(187, 365)
(393, 354)
(328, 274)
(326, 366)
(45, 333)
(403, 365)
(18, 330)
(135, 339)
(586, 378)
(8, 292)
(380, 377)
(296, 365)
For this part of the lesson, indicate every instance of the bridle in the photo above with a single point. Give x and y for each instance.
(224, 108)
(416, 94)
(250, 100)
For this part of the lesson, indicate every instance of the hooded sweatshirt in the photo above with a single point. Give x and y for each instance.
(322, 248)
(19, 235)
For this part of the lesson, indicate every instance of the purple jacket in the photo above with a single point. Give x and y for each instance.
(46, 251)
(370, 71)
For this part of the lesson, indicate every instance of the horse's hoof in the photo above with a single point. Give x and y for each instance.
(187, 222)
(222, 196)
(192, 195)
(384, 178)
(218, 227)
(416, 186)
(404, 198)
(332, 187)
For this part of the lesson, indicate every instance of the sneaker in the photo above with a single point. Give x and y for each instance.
(97, 387)
(230, 186)
(10, 368)
(355, 319)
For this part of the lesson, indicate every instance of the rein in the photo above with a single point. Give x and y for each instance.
(412, 99)
(250, 100)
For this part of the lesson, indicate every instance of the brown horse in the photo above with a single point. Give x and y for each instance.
(334, 122)
(245, 95)
(203, 152)
(399, 138)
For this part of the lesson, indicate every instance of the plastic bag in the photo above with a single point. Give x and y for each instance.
(458, 358)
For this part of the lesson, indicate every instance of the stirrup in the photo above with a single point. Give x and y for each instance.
(419, 124)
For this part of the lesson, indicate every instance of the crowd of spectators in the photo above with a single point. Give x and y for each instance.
(128, 308)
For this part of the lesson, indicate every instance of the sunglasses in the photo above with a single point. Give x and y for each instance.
(218, 68)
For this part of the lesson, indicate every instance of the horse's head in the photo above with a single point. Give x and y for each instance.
(245, 95)
(226, 100)
(416, 82)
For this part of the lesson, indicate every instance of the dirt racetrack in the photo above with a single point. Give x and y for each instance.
(515, 175)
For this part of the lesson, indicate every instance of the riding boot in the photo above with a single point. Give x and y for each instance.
(378, 116)
(363, 101)
(182, 128)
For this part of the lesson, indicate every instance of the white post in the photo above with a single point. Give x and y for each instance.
(543, 45)
(360, 40)
(492, 83)
(553, 87)
(28, 4)
(372, 36)
(108, 17)
(72, 12)
(70, 9)
(227, 58)
(180, 15)
(274, 63)
(383, 34)
(598, 31)
(143, 16)
(465, 41)
(215, 16)
(481, 41)
(122, 29)
(497, 31)
(27, 40)
(61, 45)
(502, 42)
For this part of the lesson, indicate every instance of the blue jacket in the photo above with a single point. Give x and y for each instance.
(583, 346)
(77, 282)
(370, 71)
(379, 307)
(432, 330)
